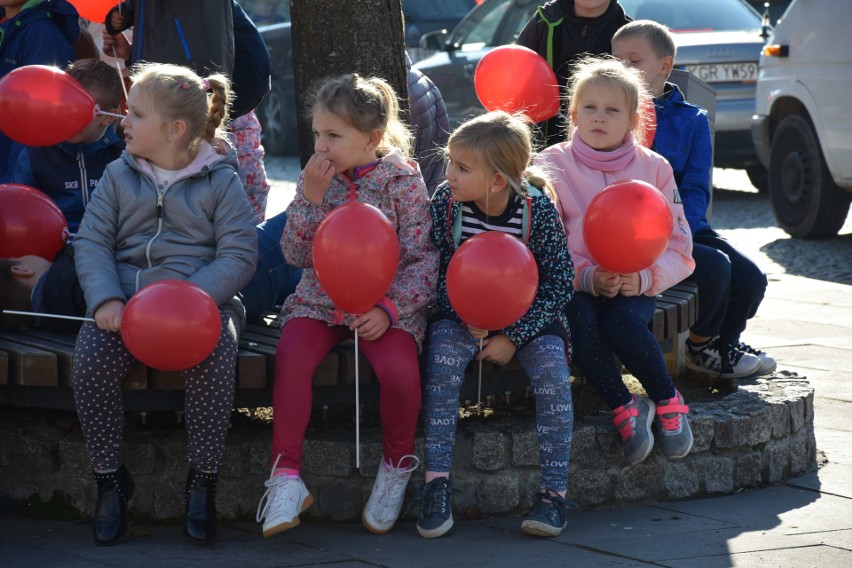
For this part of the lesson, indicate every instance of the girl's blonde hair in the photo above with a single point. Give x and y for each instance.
(502, 143)
(365, 104)
(609, 70)
(180, 94)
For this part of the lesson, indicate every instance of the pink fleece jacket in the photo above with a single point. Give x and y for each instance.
(579, 172)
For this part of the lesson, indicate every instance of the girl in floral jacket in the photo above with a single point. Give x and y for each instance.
(360, 147)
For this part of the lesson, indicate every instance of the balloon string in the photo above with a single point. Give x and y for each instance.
(105, 113)
(118, 67)
(357, 408)
(479, 388)
(43, 315)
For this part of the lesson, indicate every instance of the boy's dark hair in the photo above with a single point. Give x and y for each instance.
(100, 80)
(14, 295)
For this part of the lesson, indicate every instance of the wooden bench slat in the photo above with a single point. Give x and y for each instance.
(28, 356)
(30, 366)
(64, 354)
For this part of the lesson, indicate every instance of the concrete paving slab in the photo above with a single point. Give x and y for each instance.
(469, 543)
(812, 356)
(638, 532)
(70, 544)
(804, 557)
(785, 509)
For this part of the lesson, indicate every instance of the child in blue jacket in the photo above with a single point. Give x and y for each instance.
(730, 284)
(69, 171)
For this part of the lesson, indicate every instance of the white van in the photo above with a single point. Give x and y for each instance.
(802, 129)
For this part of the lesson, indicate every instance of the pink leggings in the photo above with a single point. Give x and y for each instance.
(304, 344)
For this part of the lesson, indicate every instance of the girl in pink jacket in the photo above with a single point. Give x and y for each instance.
(610, 312)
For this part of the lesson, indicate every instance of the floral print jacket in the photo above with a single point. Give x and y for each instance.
(396, 187)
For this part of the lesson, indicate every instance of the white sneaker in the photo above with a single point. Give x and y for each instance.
(767, 363)
(285, 498)
(382, 508)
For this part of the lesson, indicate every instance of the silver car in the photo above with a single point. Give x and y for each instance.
(718, 40)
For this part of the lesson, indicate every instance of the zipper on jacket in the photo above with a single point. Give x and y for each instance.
(160, 196)
(84, 179)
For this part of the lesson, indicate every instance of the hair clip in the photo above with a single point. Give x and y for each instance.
(184, 85)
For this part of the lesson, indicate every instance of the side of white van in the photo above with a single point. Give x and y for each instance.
(802, 128)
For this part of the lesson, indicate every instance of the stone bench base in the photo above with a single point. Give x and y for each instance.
(759, 435)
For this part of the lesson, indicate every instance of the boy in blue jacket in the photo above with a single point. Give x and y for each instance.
(730, 285)
(34, 32)
(69, 171)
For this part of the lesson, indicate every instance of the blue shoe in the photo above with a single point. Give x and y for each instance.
(435, 517)
(549, 515)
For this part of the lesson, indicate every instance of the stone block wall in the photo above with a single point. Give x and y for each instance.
(760, 435)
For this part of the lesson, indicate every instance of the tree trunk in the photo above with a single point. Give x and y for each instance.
(333, 37)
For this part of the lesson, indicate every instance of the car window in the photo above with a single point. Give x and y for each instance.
(695, 15)
(265, 12)
(481, 31)
(436, 10)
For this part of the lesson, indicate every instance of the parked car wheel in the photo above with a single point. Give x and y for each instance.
(806, 201)
(758, 175)
(279, 123)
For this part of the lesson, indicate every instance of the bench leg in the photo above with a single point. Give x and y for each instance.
(675, 357)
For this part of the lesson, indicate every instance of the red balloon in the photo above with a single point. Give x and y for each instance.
(514, 78)
(171, 325)
(649, 122)
(356, 253)
(43, 106)
(30, 223)
(93, 10)
(492, 280)
(627, 226)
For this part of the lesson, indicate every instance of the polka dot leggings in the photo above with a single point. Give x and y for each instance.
(101, 361)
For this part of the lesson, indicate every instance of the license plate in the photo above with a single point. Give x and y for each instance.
(724, 72)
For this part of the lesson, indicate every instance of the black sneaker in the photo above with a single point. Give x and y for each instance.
(721, 360)
(435, 517)
(549, 515)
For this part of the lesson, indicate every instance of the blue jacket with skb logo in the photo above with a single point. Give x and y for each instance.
(68, 173)
(683, 138)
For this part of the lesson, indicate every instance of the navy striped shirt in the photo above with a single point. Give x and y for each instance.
(475, 221)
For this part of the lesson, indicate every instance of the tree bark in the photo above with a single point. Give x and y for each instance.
(333, 37)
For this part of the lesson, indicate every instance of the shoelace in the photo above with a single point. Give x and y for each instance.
(396, 480)
(625, 420)
(746, 348)
(434, 500)
(561, 505)
(275, 492)
(670, 413)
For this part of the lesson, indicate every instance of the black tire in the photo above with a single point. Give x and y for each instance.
(759, 177)
(806, 201)
(279, 123)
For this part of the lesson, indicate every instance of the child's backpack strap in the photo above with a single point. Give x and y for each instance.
(454, 225)
(526, 214)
